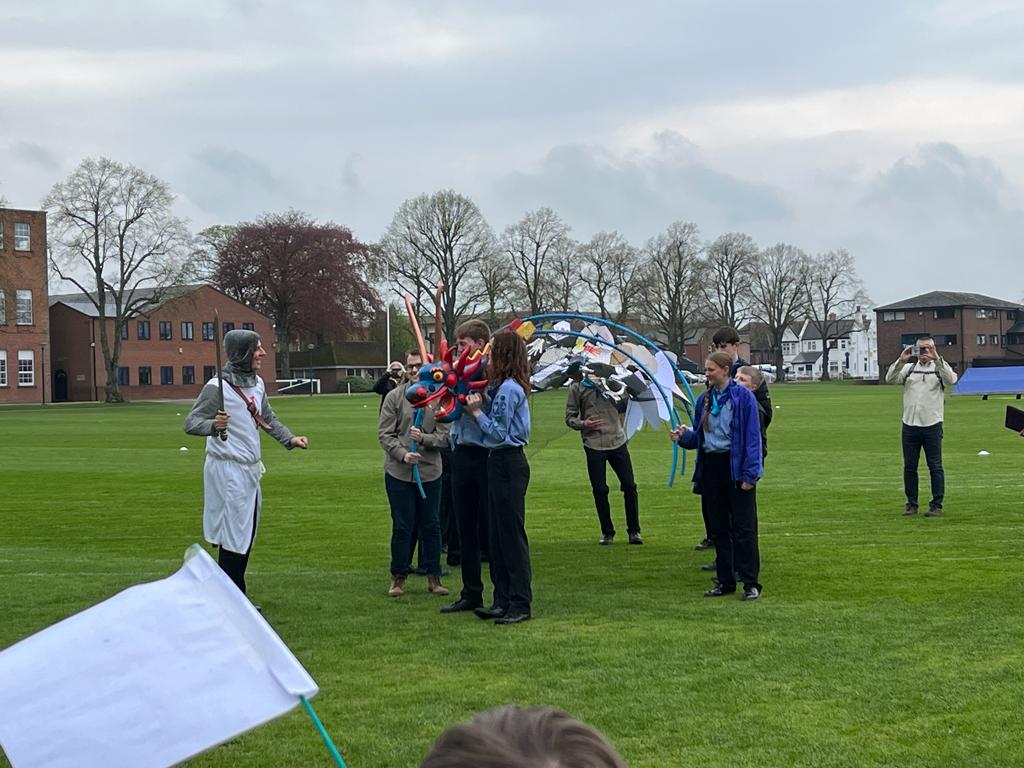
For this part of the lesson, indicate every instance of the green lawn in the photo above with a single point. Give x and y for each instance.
(880, 641)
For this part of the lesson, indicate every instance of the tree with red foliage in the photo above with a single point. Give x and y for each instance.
(309, 277)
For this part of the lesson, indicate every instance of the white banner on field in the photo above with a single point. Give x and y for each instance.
(148, 678)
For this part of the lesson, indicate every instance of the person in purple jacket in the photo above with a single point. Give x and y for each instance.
(729, 464)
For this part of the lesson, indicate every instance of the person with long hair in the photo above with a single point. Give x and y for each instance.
(505, 424)
(729, 463)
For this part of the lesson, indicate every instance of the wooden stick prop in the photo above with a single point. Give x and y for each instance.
(220, 376)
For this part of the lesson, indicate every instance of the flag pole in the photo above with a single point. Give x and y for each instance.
(323, 732)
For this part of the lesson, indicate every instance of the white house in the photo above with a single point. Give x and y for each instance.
(853, 354)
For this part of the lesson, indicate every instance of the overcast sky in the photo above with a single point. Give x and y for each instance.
(891, 129)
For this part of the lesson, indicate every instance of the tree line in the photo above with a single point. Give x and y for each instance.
(113, 235)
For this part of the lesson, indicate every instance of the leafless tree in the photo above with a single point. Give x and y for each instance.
(834, 293)
(562, 277)
(530, 244)
(438, 238)
(207, 247)
(731, 260)
(112, 235)
(779, 294)
(494, 281)
(670, 294)
(609, 268)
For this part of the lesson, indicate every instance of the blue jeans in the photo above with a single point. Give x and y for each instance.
(929, 438)
(408, 510)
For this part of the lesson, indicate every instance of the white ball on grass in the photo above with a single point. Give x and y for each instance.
(183, 448)
(983, 453)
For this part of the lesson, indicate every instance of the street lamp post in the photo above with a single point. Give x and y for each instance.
(42, 365)
(309, 349)
(92, 354)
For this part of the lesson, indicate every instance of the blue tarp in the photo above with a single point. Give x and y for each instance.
(991, 381)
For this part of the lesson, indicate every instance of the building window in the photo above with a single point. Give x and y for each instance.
(3, 367)
(987, 314)
(142, 330)
(894, 316)
(1002, 340)
(166, 374)
(833, 344)
(949, 340)
(1, 235)
(188, 374)
(186, 330)
(26, 368)
(227, 327)
(145, 375)
(22, 237)
(1011, 314)
(23, 308)
(980, 338)
(207, 331)
(946, 313)
(3, 307)
(124, 330)
(993, 339)
(248, 327)
(209, 371)
(165, 330)
(122, 376)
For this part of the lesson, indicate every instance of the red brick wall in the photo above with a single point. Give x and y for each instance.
(25, 270)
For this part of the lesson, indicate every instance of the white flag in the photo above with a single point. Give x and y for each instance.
(148, 678)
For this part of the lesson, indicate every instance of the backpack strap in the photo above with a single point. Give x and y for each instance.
(257, 417)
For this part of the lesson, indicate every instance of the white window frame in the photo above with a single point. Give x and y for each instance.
(3, 307)
(981, 340)
(1, 235)
(22, 295)
(22, 242)
(3, 367)
(27, 377)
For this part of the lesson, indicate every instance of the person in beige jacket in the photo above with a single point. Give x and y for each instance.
(924, 383)
(595, 416)
(396, 434)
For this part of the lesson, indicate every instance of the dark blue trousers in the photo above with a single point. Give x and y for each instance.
(409, 510)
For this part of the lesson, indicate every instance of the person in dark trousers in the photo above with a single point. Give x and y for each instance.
(409, 509)
(597, 418)
(232, 495)
(505, 424)
(727, 439)
(924, 381)
(469, 482)
(391, 378)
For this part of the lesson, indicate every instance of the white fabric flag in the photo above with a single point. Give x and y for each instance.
(148, 678)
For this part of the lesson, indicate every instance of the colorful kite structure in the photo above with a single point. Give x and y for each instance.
(630, 368)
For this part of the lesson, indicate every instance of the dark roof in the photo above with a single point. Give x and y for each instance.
(937, 299)
(806, 357)
(84, 304)
(842, 328)
(1018, 328)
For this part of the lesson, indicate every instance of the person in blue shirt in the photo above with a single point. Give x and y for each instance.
(729, 464)
(505, 425)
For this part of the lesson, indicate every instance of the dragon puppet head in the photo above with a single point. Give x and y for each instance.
(444, 384)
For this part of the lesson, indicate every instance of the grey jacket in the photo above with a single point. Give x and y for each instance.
(396, 417)
(585, 402)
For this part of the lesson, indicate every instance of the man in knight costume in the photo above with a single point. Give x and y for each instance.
(231, 475)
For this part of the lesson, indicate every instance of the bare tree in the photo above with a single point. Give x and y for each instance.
(438, 238)
(207, 247)
(562, 276)
(778, 294)
(494, 280)
(609, 268)
(731, 260)
(112, 235)
(530, 244)
(670, 292)
(834, 293)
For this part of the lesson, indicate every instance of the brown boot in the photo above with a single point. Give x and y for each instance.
(397, 586)
(435, 586)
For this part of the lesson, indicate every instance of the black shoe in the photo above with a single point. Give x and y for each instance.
(459, 606)
(494, 612)
(513, 618)
(705, 544)
(719, 591)
(606, 539)
(634, 538)
(712, 566)
(751, 593)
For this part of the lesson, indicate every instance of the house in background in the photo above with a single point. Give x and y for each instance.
(166, 351)
(969, 329)
(854, 350)
(24, 322)
(336, 361)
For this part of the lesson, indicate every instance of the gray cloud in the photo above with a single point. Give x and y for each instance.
(35, 155)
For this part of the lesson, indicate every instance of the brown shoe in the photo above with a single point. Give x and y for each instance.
(933, 511)
(435, 586)
(910, 510)
(397, 586)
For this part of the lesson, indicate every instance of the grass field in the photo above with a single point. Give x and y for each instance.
(880, 641)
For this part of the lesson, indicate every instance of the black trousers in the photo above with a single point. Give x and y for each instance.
(235, 563)
(470, 499)
(508, 476)
(733, 513)
(622, 466)
(929, 438)
(449, 523)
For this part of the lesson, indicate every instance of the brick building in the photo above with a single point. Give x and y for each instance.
(166, 352)
(969, 329)
(24, 322)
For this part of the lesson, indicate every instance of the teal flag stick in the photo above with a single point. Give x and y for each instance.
(323, 732)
